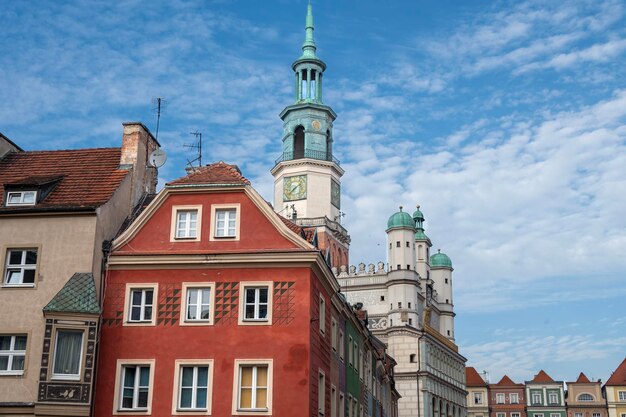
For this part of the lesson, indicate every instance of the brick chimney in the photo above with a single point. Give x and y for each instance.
(137, 144)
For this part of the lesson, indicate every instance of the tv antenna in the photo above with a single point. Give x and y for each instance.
(197, 146)
(158, 105)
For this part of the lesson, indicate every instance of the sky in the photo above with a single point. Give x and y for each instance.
(504, 120)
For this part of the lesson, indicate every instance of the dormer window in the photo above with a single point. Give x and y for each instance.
(21, 198)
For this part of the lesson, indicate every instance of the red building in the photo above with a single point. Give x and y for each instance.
(507, 399)
(215, 305)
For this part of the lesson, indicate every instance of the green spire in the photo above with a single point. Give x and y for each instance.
(308, 47)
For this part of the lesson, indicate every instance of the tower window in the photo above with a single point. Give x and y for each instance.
(408, 267)
(390, 246)
(446, 280)
(391, 306)
(298, 143)
(382, 298)
(408, 244)
(412, 358)
(447, 301)
(448, 332)
(398, 244)
(409, 305)
(399, 267)
(399, 305)
(410, 322)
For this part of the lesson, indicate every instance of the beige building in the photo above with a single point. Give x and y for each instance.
(615, 392)
(410, 308)
(584, 398)
(58, 209)
(477, 394)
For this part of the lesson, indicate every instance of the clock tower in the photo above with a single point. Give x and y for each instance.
(307, 177)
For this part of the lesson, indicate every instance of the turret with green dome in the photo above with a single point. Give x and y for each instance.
(418, 217)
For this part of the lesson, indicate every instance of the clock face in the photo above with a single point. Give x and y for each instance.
(335, 194)
(294, 188)
(315, 124)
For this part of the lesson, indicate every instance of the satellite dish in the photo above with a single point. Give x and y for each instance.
(157, 158)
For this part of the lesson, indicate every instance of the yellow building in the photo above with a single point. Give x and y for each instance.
(615, 391)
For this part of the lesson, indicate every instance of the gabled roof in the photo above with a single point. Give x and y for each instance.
(506, 381)
(619, 376)
(78, 295)
(85, 178)
(473, 378)
(217, 173)
(542, 377)
(582, 379)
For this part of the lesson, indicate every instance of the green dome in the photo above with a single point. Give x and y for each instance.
(440, 260)
(418, 215)
(401, 219)
(420, 235)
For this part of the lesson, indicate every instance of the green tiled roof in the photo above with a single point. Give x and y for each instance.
(400, 219)
(440, 260)
(78, 295)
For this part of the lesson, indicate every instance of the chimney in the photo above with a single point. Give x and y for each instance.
(137, 144)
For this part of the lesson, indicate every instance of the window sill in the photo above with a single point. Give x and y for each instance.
(65, 377)
(11, 373)
(253, 322)
(192, 238)
(225, 237)
(140, 323)
(18, 285)
(133, 410)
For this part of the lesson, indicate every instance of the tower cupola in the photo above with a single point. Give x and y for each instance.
(309, 67)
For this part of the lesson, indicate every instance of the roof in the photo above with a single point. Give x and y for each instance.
(217, 173)
(582, 379)
(400, 219)
(440, 260)
(542, 377)
(473, 378)
(619, 375)
(78, 295)
(74, 179)
(506, 381)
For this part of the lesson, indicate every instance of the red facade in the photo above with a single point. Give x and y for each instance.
(267, 366)
(507, 399)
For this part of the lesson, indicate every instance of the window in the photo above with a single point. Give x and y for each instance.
(397, 244)
(514, 398)
(225, 221)
(536, 398)
(500, 398)
(342, 345)
(12, 354)
(141, 302)
(193, 390)
(596, 415)
(199, 299)
(585, 397)
(333, 401)
(478, 398)
(382, 298)
(409, 305)
(578, 414)
(322, 313)
(622, 395)
(186, 224)
(342, 405)
(350, 352)
(21, 198)
(515, 414)
(553, 398)
(135, 387)
(253, 389)
(21, 265)
(67, 354)
(399, 305)
(255, 306)
(321, 393)
(361, 364)
(412, 358)
(500, 414)
(356, 349)
(333, 333)
(555, 415)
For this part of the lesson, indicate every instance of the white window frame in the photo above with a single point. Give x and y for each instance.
(176, 396)
(500, 399)
(553, 395)
(333, 401)
(119, 381)
(478, 397)
(342, 404)
(579, 398)
(214, 229)
(130, 287)
(515, 414)
(242, 303)
(514, 398)
(174, 223)
(500, 414)
(22, 195)
(322, 315)
(333, 333)
(361, 364)
(22, 266)
(356, 349)
(68, 377)
(578, 414)
(186, 286)
(621, 395)
(12, 352)
(350, 352)
(239, 363)
(532, 397)
(538, 415)
(555, 414)
(595, 415)
(342, 346)
(321, 392)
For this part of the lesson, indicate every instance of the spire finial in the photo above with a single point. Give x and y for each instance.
(308, 47)
(418, 206)
(400, 208)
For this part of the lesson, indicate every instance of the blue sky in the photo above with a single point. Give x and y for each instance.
(506, 121)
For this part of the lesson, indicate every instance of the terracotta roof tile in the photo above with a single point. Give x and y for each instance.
(542, 377)
(217, 173)
(87, 178)
(619, 376)
(582, 379)
(473, 378)
(506, 381)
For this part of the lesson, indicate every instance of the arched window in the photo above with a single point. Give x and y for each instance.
(298, 143)
(329, 146)
(585, 397)
(420, 252)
